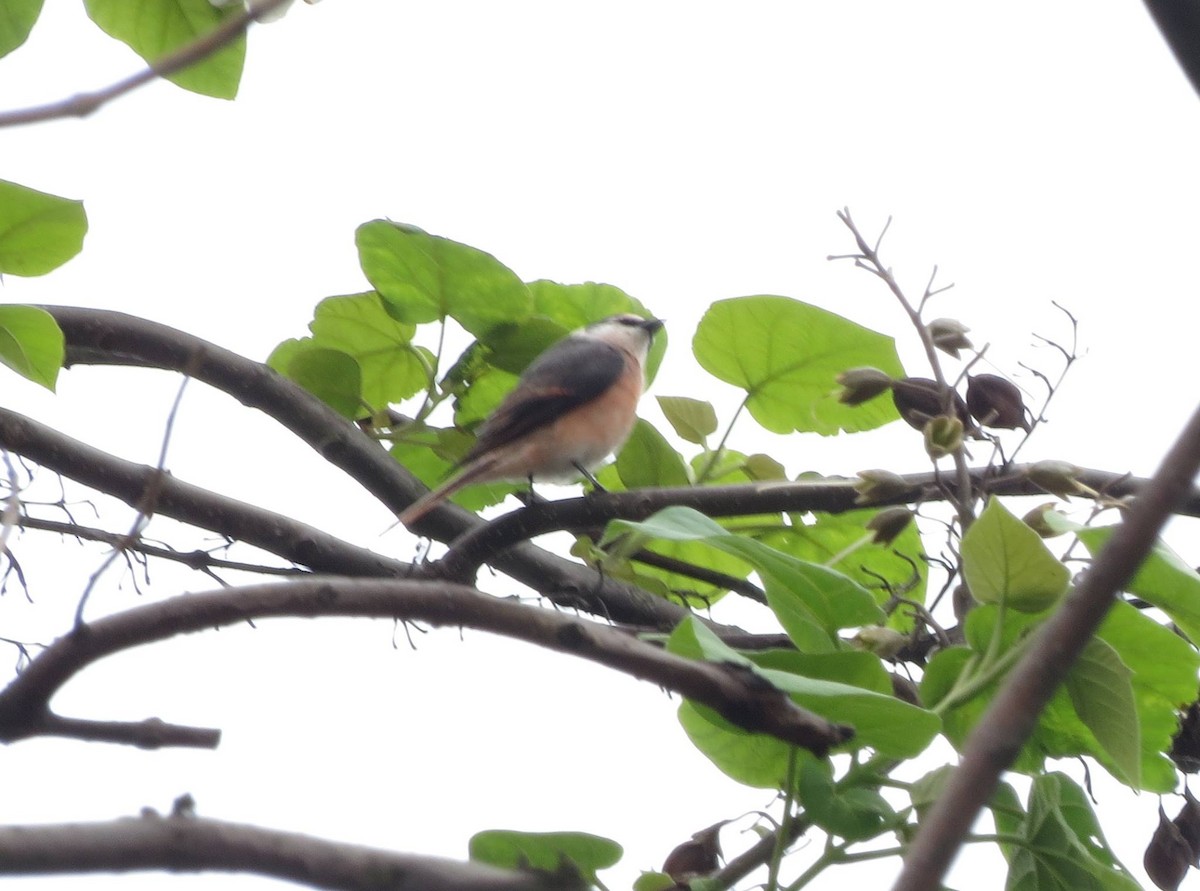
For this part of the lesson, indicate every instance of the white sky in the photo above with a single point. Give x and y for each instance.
(685, 152)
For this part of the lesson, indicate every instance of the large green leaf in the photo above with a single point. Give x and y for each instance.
(153, 28)
(16, 21)
(424, 278)
(31, 343)
(392, 367)
(330, 375)
(546, 851)
(1093, 713)
(1062, 847)
(38, 231)
(853, 813)
(887, 724)
(832, 536)
(811, 601)
(1004, 561)
(787, 356)
(1101, 692)
(1163, 579)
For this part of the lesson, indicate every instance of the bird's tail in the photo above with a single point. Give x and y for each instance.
(475, 472)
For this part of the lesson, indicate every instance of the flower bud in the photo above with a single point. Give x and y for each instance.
(996, 402)
(943, 436)
(884, 642)
(1036, 520)
(880, 485)
(862, 384)
(889, 523)
(1056, 477)
(949, 336)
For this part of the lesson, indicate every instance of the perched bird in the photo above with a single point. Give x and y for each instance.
(574, 405)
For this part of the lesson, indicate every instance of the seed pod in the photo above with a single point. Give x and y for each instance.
(949, 336)
(918, 399)
(996, 402)
(1168, 855)
(889, 523)
(862, 384)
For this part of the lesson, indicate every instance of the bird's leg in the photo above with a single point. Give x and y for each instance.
(587, 475)
(531, 497)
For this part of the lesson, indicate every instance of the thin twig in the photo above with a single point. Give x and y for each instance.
(870, 260)
(83, 104)
(145, 507)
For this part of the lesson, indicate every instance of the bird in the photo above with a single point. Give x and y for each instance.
(572, 407)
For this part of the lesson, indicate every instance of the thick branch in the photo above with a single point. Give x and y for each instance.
(1013, 714)
(275, 533)
(201, 48)
(102, 337)
(181, 843)
(740, 696)
(471, 550)
(1179, 22)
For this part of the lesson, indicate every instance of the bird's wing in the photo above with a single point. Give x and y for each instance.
(572, 372)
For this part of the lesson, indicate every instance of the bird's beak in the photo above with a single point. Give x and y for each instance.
(652, 326)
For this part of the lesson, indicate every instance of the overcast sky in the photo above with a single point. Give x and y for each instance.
(685, 152)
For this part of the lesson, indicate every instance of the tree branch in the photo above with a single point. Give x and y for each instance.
(102, 337)
(1013, 714)
(275, 533)
(468, 552)
(738, 695)
(83, 104)
(182, 843)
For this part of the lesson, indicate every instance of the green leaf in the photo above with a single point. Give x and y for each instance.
(1163, 579)
(647, 460)
(31, 344)
(16, 21)
(38, 232)
(424, 278)
(153, 28)
(511, 347)
(392, 367)
(654, 881)
(787, 356)
(330, 375)
(832, 536)
(853, 814)
(854, 667)
(1101, 691)
(1004, 561)
(804, 596)
(889, 725)
(693, 419)
(752, 759)
(1063, 849)
(545, 851)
